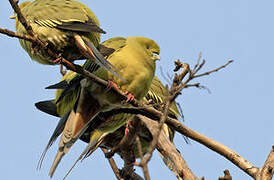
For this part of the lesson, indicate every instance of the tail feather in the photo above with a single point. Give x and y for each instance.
(57, 160)
(77, 123)
(96, 140)
(58, 130)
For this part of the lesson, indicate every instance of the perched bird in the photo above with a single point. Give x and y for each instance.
(155, 96)
(69, 27)
(135, 59)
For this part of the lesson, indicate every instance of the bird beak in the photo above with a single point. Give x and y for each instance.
(156, 56)
(13, 16)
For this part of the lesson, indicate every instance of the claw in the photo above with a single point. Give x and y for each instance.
(130, 97)
(110, 85)
(58, 59)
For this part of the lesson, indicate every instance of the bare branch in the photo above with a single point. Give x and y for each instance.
(267, 171)
(199, 86)
(17, 35)
(113, 165)
(214, 70)
(155, 139)
(227, 175)
(174, 160)
(144, 166)
(198, 62)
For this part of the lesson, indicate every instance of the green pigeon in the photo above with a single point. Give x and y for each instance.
(69, 27)
(135, 59)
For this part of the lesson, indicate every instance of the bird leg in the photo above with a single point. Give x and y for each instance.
(58, 59)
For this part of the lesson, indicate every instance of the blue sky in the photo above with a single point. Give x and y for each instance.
(238, 112)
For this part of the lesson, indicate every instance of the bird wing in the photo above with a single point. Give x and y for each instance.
(115, 43)
(66, 15)
(58, 130)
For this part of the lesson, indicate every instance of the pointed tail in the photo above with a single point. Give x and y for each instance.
(77, 123)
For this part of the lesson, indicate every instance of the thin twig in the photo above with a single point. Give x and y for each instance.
(214, 70)
(197, 63)
(113, 165)
(227, 176)
(144, 166)
(17, 35)
(199, 86)
(155, 139)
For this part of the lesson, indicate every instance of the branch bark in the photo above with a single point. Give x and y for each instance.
(166, 148)
(267, 171)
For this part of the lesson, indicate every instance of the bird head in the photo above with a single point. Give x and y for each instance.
(150, 46)
(21, 6)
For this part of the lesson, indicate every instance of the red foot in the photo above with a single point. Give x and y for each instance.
(110, 85)
(57, 61)
(130, 97)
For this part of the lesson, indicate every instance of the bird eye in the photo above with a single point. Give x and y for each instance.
(147, 47)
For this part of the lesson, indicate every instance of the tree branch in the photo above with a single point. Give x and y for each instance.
(175, 161)
(113, 165)
(267, 171)
(227, 176)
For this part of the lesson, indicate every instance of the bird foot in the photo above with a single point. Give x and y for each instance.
(130, 96)
(58, 60)
(110, 85)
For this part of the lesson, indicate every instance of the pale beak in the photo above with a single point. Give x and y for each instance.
(13, 16)
(156, 56)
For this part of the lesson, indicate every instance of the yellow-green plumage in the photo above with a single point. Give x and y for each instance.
(54, 22)
(135, 61)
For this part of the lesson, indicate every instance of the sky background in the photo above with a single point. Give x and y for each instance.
(238, 112)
